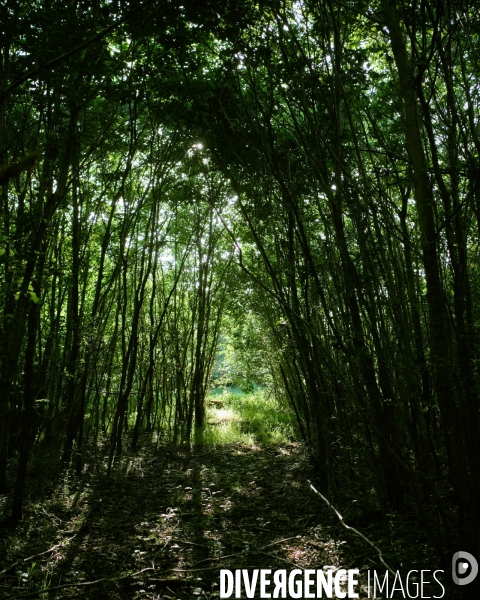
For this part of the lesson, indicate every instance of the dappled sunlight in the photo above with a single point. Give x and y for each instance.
(176, 516)
(239, 247)
(220, 415)
(246, 418)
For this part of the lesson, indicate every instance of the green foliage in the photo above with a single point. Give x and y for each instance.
(293, 183)
(256, 417)
(244, 354)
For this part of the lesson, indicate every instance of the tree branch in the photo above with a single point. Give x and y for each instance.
(66, 55)
(327, 502)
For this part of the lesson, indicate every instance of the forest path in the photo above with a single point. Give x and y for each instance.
(182, 515)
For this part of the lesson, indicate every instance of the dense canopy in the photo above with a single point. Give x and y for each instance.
(299, 179)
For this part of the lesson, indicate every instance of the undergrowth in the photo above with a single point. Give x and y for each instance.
(250, 418)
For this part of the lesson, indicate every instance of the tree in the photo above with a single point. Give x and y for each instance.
(327, 154)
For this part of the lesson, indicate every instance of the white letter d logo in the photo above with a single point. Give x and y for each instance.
(462, 567)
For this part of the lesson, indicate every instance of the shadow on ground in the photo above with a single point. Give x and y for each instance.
(176, 514)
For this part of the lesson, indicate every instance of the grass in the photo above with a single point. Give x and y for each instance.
(249, 418)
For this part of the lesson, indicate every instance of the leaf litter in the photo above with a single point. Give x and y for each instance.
(167, 520)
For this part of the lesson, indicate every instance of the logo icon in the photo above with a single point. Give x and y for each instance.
(462, 563)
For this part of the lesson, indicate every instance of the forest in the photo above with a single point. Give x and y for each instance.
(280, 197)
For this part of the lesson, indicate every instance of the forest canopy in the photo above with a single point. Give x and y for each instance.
(298, 178)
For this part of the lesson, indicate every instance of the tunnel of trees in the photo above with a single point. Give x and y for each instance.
(168, 167)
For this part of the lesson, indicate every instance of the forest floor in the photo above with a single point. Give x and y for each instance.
(168, 519)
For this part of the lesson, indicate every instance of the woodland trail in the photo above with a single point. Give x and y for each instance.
(181, 515)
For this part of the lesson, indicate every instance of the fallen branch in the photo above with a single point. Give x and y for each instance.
(189, 543)
(215, 568)
(327, 502)
(62, 543)
(242, 552)
(195, 570)
(280, 541)
(15, 564)
(172, 582)
(53, 517)
(82, 584)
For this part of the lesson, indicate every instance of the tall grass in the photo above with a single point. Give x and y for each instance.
(248, 418)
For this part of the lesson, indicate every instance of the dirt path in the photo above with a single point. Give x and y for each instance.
(182, 516)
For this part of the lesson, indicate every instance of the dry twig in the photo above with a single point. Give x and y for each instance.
(327, 502)
(81, 584)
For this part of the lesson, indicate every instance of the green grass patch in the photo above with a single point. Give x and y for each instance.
(251, 418)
